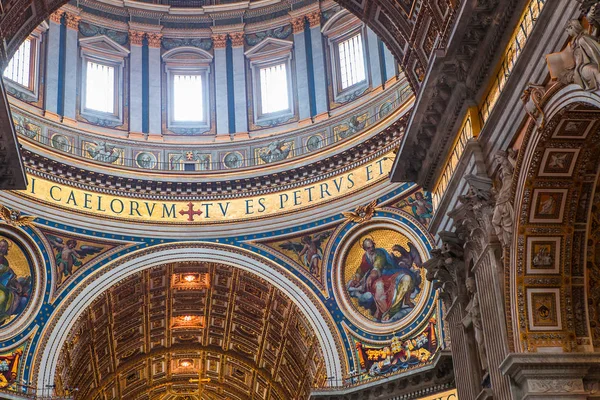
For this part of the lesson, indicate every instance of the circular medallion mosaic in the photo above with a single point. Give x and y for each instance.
(380, 278)
(62, 143)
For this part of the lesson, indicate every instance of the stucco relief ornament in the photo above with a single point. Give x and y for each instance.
(103, 152)
(502, 219)
(362, 213)
(473, 319)
(14, 217)
(531, 98)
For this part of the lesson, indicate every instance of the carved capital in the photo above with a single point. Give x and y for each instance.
(531, 98)
(298, 25)
(237, 39)
(136, 37)
(219, 41)
(154, 39)
(56, 16)
(314, 19)
(447, 270)
(72, 21)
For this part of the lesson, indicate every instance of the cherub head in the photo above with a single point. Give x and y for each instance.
(306, 239)
(71, 243)
(419, 196)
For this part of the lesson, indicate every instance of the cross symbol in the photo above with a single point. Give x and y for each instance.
(190, 212)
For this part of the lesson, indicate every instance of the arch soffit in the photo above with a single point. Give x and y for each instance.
(55, 334)
(556, 101)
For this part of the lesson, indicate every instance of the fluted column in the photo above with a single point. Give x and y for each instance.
(374, 58)
(301, 68)
(239, 82)
(51, 82)
(464, 360)
(154, 86)
(135, 81)
(219, 43)
(71, 62)
(318, 56)
(489, 288)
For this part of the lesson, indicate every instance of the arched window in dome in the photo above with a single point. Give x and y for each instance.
(102, 65)
(272, 86)
(187, 89)
(345, 35)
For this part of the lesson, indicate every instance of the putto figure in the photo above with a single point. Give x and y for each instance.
(308, 249)
(385, 284)
(68, 255)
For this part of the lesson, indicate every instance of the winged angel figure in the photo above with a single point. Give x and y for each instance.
(308, 249)
(104, 152)
(68, 255)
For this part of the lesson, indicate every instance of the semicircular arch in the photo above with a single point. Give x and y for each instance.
(54, 336)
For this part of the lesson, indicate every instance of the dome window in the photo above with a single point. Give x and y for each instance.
(187, 99)
(187, 89)
(102, 66)
(272, 87)
(100, 87)
(21, 73)
(352, 61)
(348, 69)
(19, 68)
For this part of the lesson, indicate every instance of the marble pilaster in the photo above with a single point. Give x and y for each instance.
(239, 82)
(390, 64)
(135, 81)
(220, 41)
(71, 62)
(374, 59)
(154, 86)
(318, 58)
(301, 68)
(52, 61)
